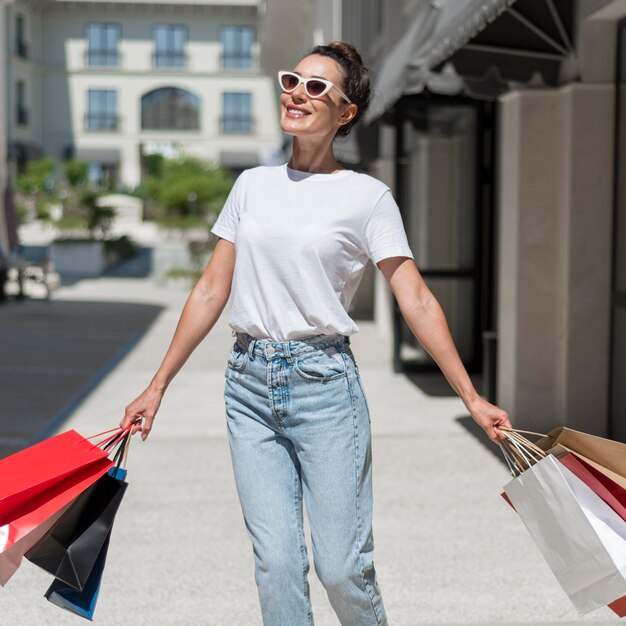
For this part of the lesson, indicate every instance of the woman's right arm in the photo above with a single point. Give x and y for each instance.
(202, 309)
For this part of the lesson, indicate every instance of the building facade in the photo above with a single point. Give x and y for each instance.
(113, 82)
(495, 122)
(4, 174)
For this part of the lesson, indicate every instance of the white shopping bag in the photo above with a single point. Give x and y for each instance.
(580, 536)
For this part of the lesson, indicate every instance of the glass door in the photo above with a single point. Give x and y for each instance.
(443, 181)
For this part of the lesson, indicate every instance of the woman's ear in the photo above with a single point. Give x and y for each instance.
(348, 114)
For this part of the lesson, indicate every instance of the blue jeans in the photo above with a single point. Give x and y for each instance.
(299, 427)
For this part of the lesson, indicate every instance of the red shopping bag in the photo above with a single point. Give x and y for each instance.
(37, 469)
(11, 558)
(619, 606)
(609, 491)
(47, 503)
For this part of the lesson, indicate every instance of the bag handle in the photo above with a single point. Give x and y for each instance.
(121, 454)
(519, 452)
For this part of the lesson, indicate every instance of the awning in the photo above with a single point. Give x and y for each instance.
(439, 29)
(480, 48)
(106, 156)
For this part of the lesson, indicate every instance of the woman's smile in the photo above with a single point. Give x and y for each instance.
(294, 112)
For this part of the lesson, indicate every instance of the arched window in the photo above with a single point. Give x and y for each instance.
(170, 108)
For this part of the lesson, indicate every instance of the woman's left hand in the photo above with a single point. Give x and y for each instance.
(490, 418)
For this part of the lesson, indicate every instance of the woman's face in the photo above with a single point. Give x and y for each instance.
(322, 116)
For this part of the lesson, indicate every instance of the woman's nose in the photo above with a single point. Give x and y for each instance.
(300, 91)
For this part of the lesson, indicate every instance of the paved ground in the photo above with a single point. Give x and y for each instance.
(52, 354)
(448, 550)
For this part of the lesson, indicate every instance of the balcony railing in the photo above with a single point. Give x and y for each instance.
(169, 59)
(102, 122)
(237, 125)
(244, 61)
(22, 115)
(21, 47)
(102, 58)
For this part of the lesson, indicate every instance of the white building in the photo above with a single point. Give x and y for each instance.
(110, 82)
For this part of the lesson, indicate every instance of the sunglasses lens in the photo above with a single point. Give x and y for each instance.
(289, 81)
(315, 88)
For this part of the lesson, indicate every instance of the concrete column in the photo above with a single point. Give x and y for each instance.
(555, 206)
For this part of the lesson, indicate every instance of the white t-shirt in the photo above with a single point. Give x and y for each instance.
(302, 242)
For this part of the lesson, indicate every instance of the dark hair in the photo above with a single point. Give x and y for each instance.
(356, 81)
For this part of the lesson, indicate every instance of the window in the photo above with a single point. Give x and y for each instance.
(170, 108)
(237, 113)
(237, 47)
(102, 174)
(21, 112)
(169, 44)
(102, 41)
(102, 110)
(21, 47)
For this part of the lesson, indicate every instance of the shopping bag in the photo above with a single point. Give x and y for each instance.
(71, 547)
(11, 559)
(44, 505)
(83, 602)
(598, 452)
(619, 606)
(37, 469)
(609, 491)
(26, 528)
(582, 539)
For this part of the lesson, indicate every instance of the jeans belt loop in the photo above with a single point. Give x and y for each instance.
(251, 348)
(288, 355)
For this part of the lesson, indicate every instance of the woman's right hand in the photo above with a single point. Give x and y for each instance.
(144, 407)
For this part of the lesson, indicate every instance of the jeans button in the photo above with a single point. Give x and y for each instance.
(271, 349)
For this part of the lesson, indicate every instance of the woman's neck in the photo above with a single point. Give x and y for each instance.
(313, 159)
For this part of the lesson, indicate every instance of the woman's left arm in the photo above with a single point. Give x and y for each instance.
(427, 321)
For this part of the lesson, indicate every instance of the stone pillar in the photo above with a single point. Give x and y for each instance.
(554, 258)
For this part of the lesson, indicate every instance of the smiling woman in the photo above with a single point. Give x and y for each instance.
(294, 241)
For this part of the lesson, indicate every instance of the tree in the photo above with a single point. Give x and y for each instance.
(36, 187)
(186, 187)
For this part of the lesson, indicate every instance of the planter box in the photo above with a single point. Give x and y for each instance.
(78, 258)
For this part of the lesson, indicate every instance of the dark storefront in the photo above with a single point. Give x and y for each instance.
(445, 154)
(617, 417)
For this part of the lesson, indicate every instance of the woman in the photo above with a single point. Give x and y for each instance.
(298, 421)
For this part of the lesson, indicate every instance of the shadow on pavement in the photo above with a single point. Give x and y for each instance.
(434, 384)
(53, 354)
(479, 434)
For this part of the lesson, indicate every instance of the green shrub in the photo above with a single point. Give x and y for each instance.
(76, 172)
(123, 247)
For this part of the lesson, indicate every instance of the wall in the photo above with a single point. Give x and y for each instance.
(555, 205)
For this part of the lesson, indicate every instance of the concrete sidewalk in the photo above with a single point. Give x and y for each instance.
(448, 549)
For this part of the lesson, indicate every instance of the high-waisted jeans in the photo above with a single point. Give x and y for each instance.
(299, 427)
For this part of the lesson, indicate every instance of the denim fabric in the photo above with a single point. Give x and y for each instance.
(299, 428)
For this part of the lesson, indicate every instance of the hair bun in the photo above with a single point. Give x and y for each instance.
(348, 50)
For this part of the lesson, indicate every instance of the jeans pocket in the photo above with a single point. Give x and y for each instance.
(322, 365)
(237, 359)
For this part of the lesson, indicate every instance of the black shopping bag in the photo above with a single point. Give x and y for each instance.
(82, 603)
(71, 547)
